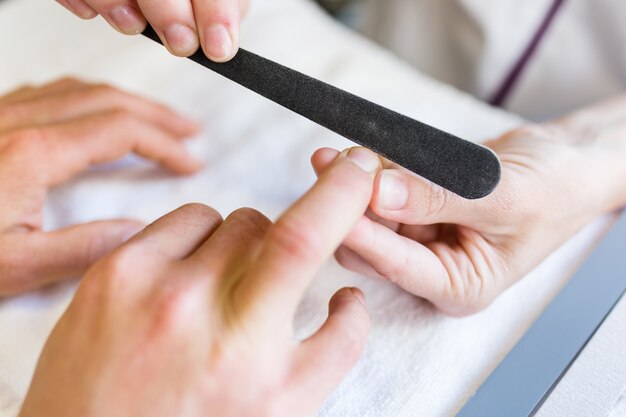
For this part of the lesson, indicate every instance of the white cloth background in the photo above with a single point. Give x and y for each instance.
(417, 362)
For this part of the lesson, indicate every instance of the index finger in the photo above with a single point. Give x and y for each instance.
(306, 235)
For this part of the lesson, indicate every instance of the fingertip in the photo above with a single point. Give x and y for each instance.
(178, 124)
(365, 159)
(321, 158)
(358, 294)
(192, 165)
(346, 297)
(190, 128)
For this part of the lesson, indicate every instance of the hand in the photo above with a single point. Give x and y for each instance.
(461, 254)
(182, 25)
(52, 133)
(193, 316)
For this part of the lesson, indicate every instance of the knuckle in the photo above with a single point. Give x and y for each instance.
(174, 310)
(105, 90)
(121, 116)
(111, 277)
(198, 210)
(67, 81)
(296, 239)
(436, 201)
(118, 268)
(10, 112)
(252, 218)
(466, 292)
(29, 142)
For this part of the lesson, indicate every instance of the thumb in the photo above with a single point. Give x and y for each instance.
(403, 197)
(35, 259)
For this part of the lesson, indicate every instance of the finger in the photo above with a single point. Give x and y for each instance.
(24, 90)
(79, 8)
(66, 101)
(178, 234)
(32, 260)
(62, 151)
(410, 265)
(322, 158)
(421, 234)
(28, 92)
(306, 235)
(123, 15)
(174, 22)
(355, 263)
(404, 197)
(327, 356)
(230, 248)
(218, 27)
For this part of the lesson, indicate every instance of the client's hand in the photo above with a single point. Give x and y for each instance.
(193, 316)
(182, 25)
(51, 133)
(461, 254)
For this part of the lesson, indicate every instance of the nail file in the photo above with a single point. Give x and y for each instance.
(466, 169)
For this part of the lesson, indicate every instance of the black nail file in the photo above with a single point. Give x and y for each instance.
(466, 169)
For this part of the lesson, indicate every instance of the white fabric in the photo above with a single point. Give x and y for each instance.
(474, 43)
(600, 367)
(417, 362)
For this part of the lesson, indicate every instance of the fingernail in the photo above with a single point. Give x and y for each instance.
(218, 43)
(367, 160)
(393, 193)
(128, 20)
(358, 294)
(181, 39)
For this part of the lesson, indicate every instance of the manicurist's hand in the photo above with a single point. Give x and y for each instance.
(182, 25)
(51, 133)
(193, 316)
(461, 254)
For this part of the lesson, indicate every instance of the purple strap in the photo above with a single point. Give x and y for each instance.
(514, 74)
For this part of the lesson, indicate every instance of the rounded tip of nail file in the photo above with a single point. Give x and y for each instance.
(462, 167)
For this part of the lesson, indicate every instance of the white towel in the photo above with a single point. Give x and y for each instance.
(417, 362)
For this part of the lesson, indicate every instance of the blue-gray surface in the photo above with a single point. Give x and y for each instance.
(536, 363)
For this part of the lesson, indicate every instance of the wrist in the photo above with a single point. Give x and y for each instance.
(608, 167)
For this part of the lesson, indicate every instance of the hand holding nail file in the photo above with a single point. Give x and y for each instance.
(466, 169)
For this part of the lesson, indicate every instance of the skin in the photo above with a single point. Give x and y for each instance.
(182, 25)
(193, 316)
(462, 254)
(49, 134)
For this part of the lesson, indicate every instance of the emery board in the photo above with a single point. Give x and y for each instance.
(466, 169)
(527, 375)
